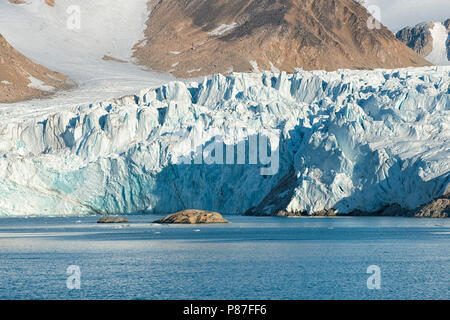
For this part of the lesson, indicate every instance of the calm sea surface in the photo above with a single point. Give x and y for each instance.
(249, 258)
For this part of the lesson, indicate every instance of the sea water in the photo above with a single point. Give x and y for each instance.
(249, 258)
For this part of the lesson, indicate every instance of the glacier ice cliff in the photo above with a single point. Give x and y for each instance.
(348, 140)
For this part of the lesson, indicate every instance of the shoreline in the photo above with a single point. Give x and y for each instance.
(437, 208)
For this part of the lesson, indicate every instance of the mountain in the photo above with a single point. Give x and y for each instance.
(198, 37)
(194, 38)
(21, 78)
(431, 40)
(348, 140)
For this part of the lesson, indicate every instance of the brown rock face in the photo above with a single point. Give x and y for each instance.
(438, 208)
(194, 38)
(17, 1)
(21, 78)
(193, 217)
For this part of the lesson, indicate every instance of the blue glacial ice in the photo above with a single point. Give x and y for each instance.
(346, 140)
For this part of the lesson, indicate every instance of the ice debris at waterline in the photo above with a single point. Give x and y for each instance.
(345, 140)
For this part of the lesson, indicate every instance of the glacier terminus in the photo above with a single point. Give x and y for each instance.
(345, 140)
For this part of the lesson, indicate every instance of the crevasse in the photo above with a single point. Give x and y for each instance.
(348, 140)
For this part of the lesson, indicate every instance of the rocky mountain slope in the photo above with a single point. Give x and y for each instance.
(193, 38)
(431, 40)
(21, 78)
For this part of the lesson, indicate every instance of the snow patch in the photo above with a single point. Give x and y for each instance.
(438, 55)
(106, 29)
(224, 28)
(273, 68)
(39, 84)
(255, 67)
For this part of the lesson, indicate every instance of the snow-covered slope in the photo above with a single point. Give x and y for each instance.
(39, 30)
(345, 140)
(52, 37)
(439, 54)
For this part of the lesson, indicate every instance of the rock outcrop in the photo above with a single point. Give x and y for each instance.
(438, 208)
(193, 217)
(417, 38)
(112, 220)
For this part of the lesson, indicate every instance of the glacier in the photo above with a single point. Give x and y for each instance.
(347, 140)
